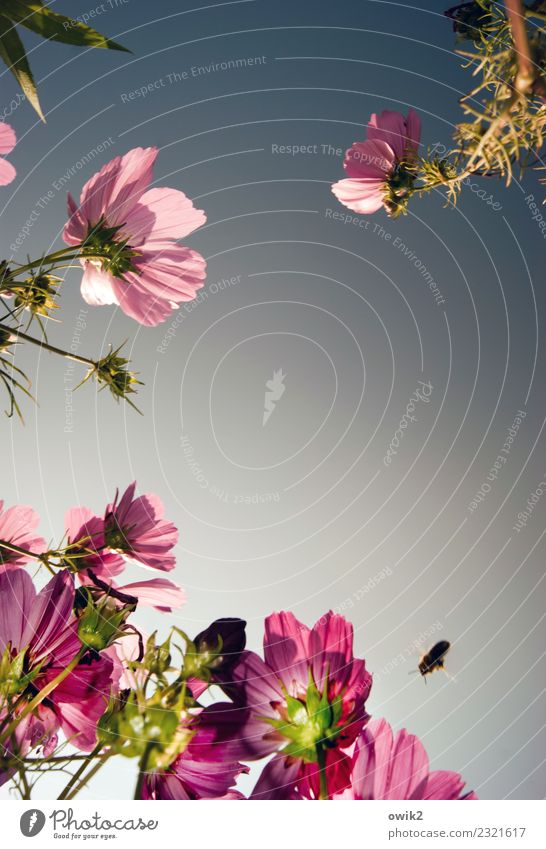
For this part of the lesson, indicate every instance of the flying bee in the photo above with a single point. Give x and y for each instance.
(434, 658)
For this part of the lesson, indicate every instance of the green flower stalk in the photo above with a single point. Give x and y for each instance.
(110, 372)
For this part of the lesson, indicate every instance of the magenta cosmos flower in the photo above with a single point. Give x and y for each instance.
(132, 529)
(134, 526)
(128, 231)
(17, 526)
(42, 626)
(208, 767)
(380, 169)
(388, 766)
(7, 143)
(307, 705)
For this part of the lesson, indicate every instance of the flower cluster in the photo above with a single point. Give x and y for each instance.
(124, 235)
(78, 675)
(504, 117)
(80, 681)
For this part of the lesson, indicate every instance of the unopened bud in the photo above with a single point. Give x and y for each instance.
(102, 623)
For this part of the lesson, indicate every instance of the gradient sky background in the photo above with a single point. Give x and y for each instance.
(303, 514)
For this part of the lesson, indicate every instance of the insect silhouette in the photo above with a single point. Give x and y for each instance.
(434, 658)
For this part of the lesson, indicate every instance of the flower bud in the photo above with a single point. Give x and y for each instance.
(217, 649)
(149, 729)
(157, 659)
(108, 726)
(112, 372)
(37, 294)
(101, 623)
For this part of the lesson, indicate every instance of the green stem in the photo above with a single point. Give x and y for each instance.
(24, 784)
(142, 772)
(321, 759)
(41, 695)
(9, 546)
(79, 772)
(472, 165)
(51, 348)
(55, 760)
(92, 772)
(42, 558)
(49, 259)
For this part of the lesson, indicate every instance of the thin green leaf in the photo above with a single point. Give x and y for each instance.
(13, 54)
(43, 21)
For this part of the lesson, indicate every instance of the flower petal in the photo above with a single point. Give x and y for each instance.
(17, 525)
(409, 765)
(7, 138)
(96, 286)
(331, 649)
(389, 127)
(371, 160)
(387, 766)
(362, 196)
(171, 272)
(157, 592)
(286, 650)
(162, 214)
(17, 598)
(7, 172)
(117, 187)
(443, 784)
(48, 631)
(137, 303)
(278, 779)
(81, 699)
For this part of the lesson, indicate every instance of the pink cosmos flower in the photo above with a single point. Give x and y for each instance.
(377, 168)
(129, 232)
(388, 766)
(83, 527)
(208, 767)
(132, 529)
(135, 528)
(306, 701)
(7, 143)
(17, 525)
(43, 626)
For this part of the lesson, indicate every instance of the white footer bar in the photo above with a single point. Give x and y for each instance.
(279, 825)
